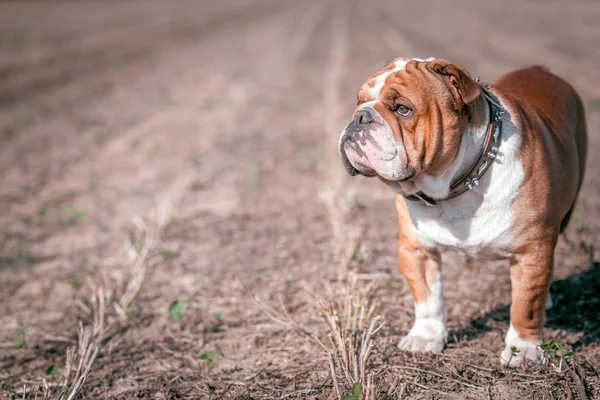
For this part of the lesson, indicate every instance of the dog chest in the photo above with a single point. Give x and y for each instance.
(480, 235)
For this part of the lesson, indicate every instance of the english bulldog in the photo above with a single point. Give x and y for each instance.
(492, 171)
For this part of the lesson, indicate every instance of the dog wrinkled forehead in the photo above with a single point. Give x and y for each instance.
(371, 90)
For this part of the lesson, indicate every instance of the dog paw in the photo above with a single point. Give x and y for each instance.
(522, 355)
(427, 335)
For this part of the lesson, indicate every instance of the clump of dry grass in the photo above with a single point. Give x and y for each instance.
(351, 340)
(79, 358)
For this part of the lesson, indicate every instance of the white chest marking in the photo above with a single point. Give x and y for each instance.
(479, 221)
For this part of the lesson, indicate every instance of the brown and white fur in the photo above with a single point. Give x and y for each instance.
(419, 125)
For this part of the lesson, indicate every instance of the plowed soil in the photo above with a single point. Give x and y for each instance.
(188, 149)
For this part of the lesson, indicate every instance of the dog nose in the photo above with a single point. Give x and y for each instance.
(363, 117)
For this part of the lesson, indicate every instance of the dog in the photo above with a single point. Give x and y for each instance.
(491, 171)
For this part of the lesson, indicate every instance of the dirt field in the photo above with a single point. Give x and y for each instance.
(174, 212)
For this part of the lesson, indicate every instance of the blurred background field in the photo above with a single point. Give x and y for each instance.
(172, 208)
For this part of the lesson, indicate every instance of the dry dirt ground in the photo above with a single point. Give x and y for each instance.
(157, 152)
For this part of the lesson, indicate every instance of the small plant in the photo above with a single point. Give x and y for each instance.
(177, 308)
(167, 255)
(496, 370)
(19, 336)
(356, 253)
(12, 395)
(355, 394)
(76, 285)
(138, 246)
(210, 356)
(218, 317)
(173, 222)
(43, 211)
(77, 214)
(52, 371)
(577, 219)
(556, 354)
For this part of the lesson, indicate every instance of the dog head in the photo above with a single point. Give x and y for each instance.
(409, 121)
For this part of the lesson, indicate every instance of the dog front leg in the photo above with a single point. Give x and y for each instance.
(531, 275)
(421, 268)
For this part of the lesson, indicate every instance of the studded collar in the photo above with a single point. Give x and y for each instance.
(489, 150)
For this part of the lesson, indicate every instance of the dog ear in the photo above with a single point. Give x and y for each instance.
(465, 87)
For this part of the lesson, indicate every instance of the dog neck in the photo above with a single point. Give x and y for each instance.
(487, 141)
(471, 145)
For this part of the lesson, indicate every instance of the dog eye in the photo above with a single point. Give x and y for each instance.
(402, 110)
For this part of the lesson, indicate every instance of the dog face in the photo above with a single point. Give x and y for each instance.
(409, 121)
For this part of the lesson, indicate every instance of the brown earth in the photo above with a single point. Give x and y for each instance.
(189, 148)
